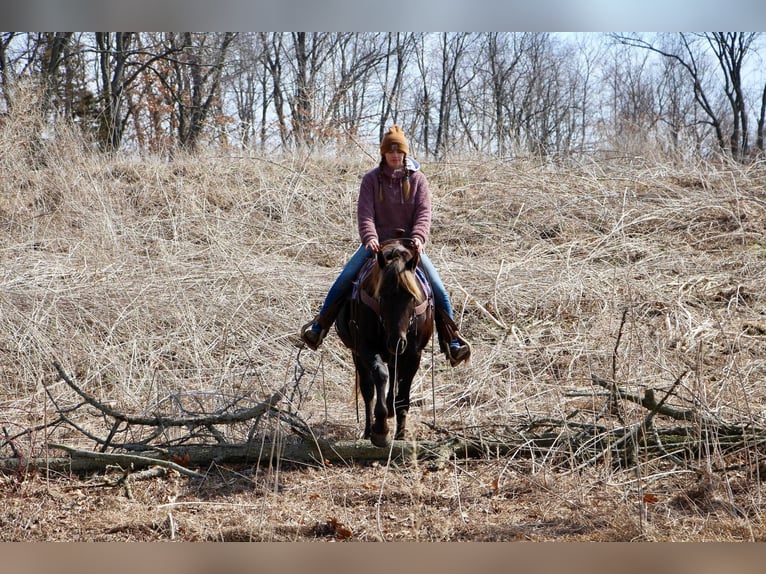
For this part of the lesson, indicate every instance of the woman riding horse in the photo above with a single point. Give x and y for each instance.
(394, 201)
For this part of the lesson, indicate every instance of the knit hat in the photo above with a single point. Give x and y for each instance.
(394, 135)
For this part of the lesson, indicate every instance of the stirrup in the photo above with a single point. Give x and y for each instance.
(308, 339)
(463, 353)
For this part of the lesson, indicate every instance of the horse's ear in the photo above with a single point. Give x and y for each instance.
(381, 259)
(413, 261)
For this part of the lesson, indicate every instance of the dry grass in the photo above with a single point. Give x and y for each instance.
(149, 279)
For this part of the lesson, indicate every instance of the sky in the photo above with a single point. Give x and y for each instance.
(369, 15)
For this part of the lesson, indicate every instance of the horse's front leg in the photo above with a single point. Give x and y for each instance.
(379, 434)
(366, 388)
(407, 368)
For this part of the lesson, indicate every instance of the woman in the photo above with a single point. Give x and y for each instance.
(393, 198)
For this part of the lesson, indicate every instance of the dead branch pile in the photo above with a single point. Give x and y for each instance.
(199, 440)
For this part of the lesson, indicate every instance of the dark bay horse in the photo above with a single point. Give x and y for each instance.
(387, 323)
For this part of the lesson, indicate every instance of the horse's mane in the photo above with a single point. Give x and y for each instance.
(394, 275)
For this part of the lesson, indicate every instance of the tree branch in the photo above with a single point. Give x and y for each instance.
(104, 458)
(239, 415)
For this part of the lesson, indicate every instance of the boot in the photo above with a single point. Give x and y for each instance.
(459, 350)
(314, 332)
(451, 343)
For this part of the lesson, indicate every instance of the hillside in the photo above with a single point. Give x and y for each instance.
(154, 283)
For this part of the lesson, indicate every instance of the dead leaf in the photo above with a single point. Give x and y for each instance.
(181, 460)
(338, 529)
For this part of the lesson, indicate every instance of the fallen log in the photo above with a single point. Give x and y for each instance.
(202, 456)
(568, 447)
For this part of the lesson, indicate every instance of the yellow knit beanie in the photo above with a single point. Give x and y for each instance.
(394, 135)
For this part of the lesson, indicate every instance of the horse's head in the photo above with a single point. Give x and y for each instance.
(398, 290)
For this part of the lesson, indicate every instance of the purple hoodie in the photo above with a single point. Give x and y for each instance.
(381, 218)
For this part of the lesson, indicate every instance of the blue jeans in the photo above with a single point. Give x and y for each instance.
(345, 281)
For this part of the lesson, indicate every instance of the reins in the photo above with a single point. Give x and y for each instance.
(374, 304)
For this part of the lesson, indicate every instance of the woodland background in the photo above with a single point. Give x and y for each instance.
(498, 94)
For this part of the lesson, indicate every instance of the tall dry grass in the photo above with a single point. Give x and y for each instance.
(153, 280)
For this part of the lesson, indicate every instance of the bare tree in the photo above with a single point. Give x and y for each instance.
(352, 64)
(305, 58)
(730, 51)
(679, 126)
(631, 91)
(357, 92)
(122, 61)
(489, 92)
(502, 62)
(247, 80)
(453, 49)
(272, 55)
(112, 57)
(7, 75)
(310, 50)
(40, 56)
(546, 104)
(44, 56)
(198, 75)
(761, 121)
(54, 51)
(420, 122)
(462, 80)
(399, 45)
(507, 71)
(583, 91)
(533, 88)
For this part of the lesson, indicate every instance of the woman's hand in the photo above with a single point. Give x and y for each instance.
(418, 244)
(373, 245)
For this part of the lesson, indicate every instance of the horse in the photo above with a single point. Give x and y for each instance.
(386, 323)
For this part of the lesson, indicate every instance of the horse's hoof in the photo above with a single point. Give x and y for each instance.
(380, 440)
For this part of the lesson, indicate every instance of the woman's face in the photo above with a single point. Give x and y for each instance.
(395, 159)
